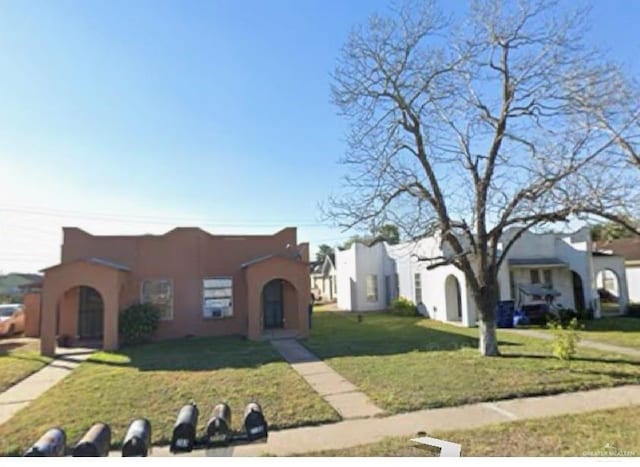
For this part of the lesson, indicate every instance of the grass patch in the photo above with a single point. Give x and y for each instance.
(620, 330)
(155, 380)
(17, 361)
(407, 364)
(606, 432)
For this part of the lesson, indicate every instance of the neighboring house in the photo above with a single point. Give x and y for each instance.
(323, 280)
(205, 285)
(629, 249)
(369, 278)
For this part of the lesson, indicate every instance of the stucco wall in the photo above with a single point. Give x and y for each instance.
(633, 283)
(345, 276)
(615, 264)
(32, 302)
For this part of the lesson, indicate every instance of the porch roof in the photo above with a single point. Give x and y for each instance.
(537, 262)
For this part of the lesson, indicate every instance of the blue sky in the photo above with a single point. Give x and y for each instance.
(133, 117)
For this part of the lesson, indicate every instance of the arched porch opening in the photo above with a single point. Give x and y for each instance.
(80, 312)
(279, 305)
(608, 284)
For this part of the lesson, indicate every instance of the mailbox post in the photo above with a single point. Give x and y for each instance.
(184, 431)
(95, 442)
(51, 444)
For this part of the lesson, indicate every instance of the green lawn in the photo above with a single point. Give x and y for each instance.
(607, 432)
(619, 331)
(407, 364)
(155, 380)
(17, 361)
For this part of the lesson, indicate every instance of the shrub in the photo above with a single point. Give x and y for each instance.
(138, 322)
(402, 306)
(633, 310)
(565, 339)
(585, 315)
(566, 315)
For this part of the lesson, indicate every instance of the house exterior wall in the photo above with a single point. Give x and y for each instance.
(186, 256)
(345, 276)
(31, 302)
(633, 282)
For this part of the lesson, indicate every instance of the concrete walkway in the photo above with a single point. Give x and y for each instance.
(351, 433)
(583, 343)
(343, 396)
(23, 393)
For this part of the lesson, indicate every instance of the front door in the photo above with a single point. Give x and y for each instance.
(272, 303)
(578, 292)
(89, 314)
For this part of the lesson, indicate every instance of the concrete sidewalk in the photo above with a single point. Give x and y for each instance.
(23, 393)
(583, 342)
(351, 433)
(343, 396)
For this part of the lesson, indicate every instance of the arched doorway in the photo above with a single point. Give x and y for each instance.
(80, 316)
(578, 292)
(608, 285)
(279, 304)
(90, 314)
(453, 298)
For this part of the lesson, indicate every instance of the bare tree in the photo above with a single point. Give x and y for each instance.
(468, 129)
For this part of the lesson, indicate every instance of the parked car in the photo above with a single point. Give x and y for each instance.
(12, 319)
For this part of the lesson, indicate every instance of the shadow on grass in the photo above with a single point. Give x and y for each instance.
(191, 354)
(6, 347)
(615, 324)
(613, 361)
(377, 334)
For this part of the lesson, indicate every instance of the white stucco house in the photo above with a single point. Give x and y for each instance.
(369, 278)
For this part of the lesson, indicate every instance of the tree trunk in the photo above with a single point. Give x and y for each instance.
(488, 339)
(487, 301)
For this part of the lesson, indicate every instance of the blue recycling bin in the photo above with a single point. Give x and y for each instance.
(504, 314)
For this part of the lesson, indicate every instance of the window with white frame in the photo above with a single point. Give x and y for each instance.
(217, 297)
(159, 292)
(372, 288)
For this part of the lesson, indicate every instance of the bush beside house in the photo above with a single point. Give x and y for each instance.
(402, 306)
(137, 323)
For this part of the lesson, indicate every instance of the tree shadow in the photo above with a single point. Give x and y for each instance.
(613, 361)
(379, 334)
(191, 354)
(616, 324)
(6, 347)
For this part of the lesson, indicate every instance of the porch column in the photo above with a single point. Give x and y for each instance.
(110, 303)
(254, 313)
(48, 321)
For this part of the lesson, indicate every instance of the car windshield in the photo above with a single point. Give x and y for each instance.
(7, 311)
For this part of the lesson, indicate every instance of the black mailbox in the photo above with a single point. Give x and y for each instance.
(95, 442)
(184, 431)
(219, 425)
(138, 439)
(254, 423)
(51, 444)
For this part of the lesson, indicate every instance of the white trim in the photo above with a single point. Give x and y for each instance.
(202, 289)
